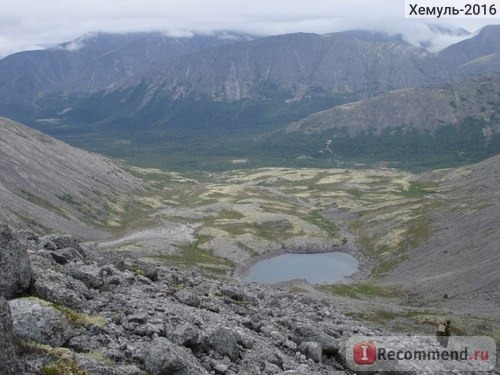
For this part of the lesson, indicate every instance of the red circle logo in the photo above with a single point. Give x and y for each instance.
(365, 353)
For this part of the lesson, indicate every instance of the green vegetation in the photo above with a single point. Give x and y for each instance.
(192, 256)
(60, 360)
(99, 357)
(74, 317)
(298, 289)
(318, 220)
(357, 290)
(422, 321)
(62, 366)
(384, 266)
(77, 318)
(208, 136)
(418, 189)
(42, 202)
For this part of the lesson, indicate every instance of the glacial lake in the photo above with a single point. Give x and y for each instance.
(318, 268)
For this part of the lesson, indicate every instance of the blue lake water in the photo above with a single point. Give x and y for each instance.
(320, 268)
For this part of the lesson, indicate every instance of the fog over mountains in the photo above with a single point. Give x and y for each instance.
(142, 87)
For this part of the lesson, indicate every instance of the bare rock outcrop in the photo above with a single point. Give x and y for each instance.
(14, 264)
(34, 321)
(163, 357)
(8, 361)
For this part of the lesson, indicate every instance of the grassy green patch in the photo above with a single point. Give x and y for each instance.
(425, 322)
(378, 316)
(60, 359)
(62, 366)
(357, 290)
(274, 231)
(418, 189)
(99, 357)
(35, 199)
(315, 218)
(298, 289)
(76, 318)
(357, 194)
(230, 215)
(191, 256)
(419, 230)
(386, 234)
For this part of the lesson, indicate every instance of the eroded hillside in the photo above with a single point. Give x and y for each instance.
(49, 185)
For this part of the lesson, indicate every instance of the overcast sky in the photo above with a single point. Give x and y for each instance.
(34, 24)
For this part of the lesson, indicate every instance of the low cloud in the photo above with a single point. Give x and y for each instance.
(27, 24)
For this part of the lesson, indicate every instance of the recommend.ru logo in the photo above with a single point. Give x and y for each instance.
(420, 353)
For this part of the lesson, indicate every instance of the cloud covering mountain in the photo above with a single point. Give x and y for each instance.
(31, 24)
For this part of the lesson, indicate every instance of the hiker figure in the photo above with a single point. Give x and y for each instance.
(443, 333)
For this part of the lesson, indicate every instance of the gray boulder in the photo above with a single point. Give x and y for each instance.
(35, 322)
(59, 288)
(311, 350)
(181, 332)
(307, 333)
(14, 265)
(188, 297)
(8, 362)
(224, 342)
(163, 357)
(70, 254)
(55, 242)
(90, 275)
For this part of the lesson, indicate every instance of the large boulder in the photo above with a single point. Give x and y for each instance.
(163, 357)
(224, 342)
(58, 287)
(14, 265)
(57, 241)
(308, 333)
(35, 321)
(311, 350)
(8, 363)
(181, 332)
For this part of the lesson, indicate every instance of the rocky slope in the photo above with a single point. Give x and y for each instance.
(415, 109)
(88, 311)
(457, 266)
(46, 182)
(475, 56)
(455, 122)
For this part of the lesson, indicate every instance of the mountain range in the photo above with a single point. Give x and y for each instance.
(124, 95)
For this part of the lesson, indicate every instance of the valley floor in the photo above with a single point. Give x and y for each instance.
(406, 230)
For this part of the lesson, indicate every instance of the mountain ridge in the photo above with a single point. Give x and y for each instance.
(418, 108)
(246, 90)
(93, 62)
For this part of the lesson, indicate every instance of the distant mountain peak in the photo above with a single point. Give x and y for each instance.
(449, 30)
(77, 43)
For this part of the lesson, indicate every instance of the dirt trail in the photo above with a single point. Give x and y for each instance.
(170, 232)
